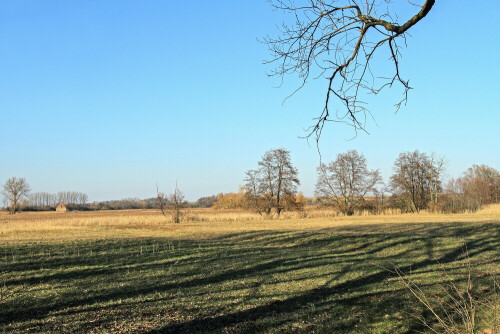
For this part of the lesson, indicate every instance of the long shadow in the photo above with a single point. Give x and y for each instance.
(316, 295)
(38, 312)
(267, 262)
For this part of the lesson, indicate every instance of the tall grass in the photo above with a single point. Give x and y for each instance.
(456, 301)
(199, 222)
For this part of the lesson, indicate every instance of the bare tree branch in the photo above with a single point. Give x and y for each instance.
(339, 38)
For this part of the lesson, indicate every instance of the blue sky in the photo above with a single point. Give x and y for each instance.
(109, 97)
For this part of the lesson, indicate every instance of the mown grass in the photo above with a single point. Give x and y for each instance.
(137, 274)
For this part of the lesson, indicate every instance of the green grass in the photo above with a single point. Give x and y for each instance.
(339, 280)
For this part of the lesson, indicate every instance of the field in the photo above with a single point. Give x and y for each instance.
(235, 272)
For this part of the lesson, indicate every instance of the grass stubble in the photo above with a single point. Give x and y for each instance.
(236, 272)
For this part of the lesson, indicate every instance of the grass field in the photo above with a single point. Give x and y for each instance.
(234, 272)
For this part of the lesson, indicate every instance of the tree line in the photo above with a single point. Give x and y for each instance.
(346, 184)
(17, 195)
(44, 200)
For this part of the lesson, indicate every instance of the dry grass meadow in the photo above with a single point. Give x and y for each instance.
(205, 223)
(226, 271)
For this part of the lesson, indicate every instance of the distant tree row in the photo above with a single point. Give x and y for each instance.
(124, 204)
(41, 200)
(16, 193)
(478, 186)
(205, 202)
(347, 184)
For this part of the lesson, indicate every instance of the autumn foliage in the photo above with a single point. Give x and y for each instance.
(243, 200)
(231, 200)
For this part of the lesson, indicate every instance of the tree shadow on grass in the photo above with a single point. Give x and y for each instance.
(315, 296)
(291, 305)
(262, 258)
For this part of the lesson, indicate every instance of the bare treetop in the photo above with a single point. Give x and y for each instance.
(346, 181)
(276, 179)
(339, 38)
(15, 190)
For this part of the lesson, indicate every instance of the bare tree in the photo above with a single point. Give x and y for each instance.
(381, 191)
(63, 197)
(176, 202)
(415, 176)
(173, 202)
(253, 194)
(161, 199)
(82, 198)
(72, 197)
(453, 199)
(274, 180)
(42, 200)
(346, 181)
(15, 190)
(340, 39)
(484, 177)
(438, 165)
(479, 185)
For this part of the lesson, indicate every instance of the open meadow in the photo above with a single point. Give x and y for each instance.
(229, 271)
(273, 166)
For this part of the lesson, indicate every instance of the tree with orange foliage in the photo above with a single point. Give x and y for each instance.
(230, 200)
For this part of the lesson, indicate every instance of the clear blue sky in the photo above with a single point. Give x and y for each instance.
(109, 97)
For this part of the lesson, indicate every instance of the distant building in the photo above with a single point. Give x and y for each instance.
(61, 207)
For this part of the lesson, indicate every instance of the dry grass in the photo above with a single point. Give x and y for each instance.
(227, 271)
(493, 209)
(201, 223)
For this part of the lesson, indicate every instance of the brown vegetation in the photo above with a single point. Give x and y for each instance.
(199, 223)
